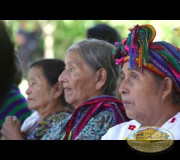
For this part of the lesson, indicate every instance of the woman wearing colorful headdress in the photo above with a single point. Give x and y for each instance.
(150, 83)
(89, 80)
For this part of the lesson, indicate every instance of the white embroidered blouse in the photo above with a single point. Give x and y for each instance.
(121, 131)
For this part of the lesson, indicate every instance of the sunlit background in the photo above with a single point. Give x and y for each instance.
(58, 35)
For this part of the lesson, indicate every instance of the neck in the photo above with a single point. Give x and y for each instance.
(51, 108)
(166, 112)
(98, 93)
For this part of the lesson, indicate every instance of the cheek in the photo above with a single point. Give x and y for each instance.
(145, 96)
(138, 95)
(76, 82)
(41, 93)
(81, 85)
(38, 92)
(41, 100)
(84, 87)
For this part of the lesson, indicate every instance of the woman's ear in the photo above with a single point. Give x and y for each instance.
(57, 90)
(167, 88)
(101, 78)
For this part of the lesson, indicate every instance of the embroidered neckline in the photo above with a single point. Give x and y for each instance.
(132, 127)
(172, 120)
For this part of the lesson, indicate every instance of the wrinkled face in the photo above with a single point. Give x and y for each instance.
(39, 92)
(139, 92)
(78, 79)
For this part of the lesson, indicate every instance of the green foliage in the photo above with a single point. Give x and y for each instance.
(68, 32)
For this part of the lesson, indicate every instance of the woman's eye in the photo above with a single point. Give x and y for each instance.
(122, 77)
(32, 84)
(133, 76)
(70, 69)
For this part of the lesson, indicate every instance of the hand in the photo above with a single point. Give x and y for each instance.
(11, 129)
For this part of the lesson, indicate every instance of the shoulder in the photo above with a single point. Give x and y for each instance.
(57, 116)
(102, 117)
(65, 118)
(57, 130)
(62, 114)
(96, 126)
(120, 131)
(108, 116)
(178, 115)
(60, 124)
(30, 121)
(173, 125)
(104, 114)
(56, 120)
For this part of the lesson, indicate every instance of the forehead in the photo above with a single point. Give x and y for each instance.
(73, 58)
(126, 68)
(144, 72)
(35, 72)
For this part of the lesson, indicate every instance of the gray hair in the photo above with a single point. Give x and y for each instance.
(98, 54)
(175, 94)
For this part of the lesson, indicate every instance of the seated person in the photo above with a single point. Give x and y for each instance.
(12, 102)
(45, 95)
(106, 33)
(89, 81)
(150, 87)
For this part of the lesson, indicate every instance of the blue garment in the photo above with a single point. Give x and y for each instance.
(97, 124)
(14, 104)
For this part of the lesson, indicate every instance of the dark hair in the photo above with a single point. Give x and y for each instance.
(18, 69)
(175, 94)
(98, 54)
(7, 63)
(51, 68)
(103, 32)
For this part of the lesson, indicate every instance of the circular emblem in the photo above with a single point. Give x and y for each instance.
(150, 139)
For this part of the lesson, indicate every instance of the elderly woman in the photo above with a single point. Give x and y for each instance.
(150, 83)
(89, 81)
(45, 95)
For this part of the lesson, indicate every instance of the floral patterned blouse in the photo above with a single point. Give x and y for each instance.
(36, 132)
(93, 130)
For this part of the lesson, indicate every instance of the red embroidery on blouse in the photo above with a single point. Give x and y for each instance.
(131, 127)
(173, 119)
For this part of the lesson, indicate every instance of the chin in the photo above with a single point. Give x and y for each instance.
(69, 100)
(72, 102)
(32, 107)
(130, 115)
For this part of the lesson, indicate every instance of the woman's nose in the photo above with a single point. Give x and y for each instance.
(123, 87)
(62, 77)
(28, 91)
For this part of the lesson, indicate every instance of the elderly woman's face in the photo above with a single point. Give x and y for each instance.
(39, 92)
(78, 79)
(140, 94)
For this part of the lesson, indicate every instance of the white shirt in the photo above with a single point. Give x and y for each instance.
(30, 121)
(121, 131)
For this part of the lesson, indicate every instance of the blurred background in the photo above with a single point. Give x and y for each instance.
(37, 39)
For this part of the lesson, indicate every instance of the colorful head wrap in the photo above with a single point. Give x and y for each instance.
(139, 49)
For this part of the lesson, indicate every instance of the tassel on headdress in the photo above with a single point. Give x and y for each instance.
(139, 49)
(137, 44)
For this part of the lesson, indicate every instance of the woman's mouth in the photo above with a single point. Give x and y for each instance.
(125, 102)
(30, 99)
(66, 90)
